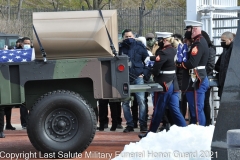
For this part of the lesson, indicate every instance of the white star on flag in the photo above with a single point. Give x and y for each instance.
(17, 55)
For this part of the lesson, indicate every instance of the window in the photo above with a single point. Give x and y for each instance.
(2, 43)
(12, 41)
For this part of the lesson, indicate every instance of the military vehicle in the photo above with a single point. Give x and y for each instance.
(61, 88)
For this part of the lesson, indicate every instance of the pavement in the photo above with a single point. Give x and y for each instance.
(108, 144)
(16, 144)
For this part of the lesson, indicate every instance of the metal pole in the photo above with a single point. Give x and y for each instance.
(211, 22)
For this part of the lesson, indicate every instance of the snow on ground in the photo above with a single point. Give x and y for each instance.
(179, 143)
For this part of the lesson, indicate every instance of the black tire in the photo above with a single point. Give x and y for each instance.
(61, 121)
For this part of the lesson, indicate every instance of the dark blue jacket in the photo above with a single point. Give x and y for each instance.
(137, 53)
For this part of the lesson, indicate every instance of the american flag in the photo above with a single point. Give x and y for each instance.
(182, 53)
(17, 55)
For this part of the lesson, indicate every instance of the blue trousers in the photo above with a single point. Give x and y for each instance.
(142, 107)
(163, 99)
(198, 96)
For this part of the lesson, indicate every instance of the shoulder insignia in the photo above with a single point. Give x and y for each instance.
(194, 51)
(158, 58)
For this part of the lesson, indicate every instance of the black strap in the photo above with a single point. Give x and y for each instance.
(109, 37)
(189, 81)
(40, 45)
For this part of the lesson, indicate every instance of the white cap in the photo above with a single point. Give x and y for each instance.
(189, 23)
(164, 34)
(142, 39)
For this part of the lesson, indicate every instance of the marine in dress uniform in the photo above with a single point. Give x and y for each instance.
(164, 71)
(195, 82)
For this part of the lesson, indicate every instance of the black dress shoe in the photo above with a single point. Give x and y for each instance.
(166, 126)
(114, 127)
(100, 128)
(142, 135)
(105, 125)
(135, 125)
(119, 126)
(2, 135)
(10, 128)
(143, 129)
(128, 129)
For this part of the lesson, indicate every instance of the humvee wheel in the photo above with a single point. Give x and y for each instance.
(61, 121)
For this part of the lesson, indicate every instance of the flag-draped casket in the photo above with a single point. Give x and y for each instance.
(17, 55)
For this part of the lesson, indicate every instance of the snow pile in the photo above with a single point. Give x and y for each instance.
(179, 143)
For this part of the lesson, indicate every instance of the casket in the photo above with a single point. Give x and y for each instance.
(75, 34)
(17, 55)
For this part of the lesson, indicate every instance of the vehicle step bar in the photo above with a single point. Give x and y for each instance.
(149, 87)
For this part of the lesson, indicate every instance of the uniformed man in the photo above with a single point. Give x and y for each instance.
(195, 82)
(164, 71)
(1, 122)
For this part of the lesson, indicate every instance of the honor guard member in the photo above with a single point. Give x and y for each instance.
(164, 71)
(195, 81)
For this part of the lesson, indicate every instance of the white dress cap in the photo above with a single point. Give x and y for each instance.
(193, 23)
(163, 34)
(142, 39)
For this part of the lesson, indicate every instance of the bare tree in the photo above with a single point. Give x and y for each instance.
(1, 10)
(110, 4)
(81, 3)
(142, 14)
(8, 9)
(19, 9)
(88, 4)
(55, 4)
(97, 4)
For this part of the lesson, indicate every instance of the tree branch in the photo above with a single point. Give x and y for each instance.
(99, 2)
(19, 9)
(88, 4)
(151, 8)
(103, 5)
(2, 13)
(147, 13)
